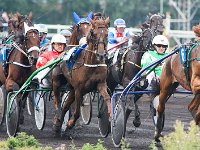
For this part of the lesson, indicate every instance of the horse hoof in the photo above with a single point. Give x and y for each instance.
(56, 125)
(70, 124)
(136, 122)
(157, 139)
(56, 129)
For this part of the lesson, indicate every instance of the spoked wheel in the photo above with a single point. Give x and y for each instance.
(12, 114)
(40, 108)
(29, 103)
(118, 126)
(103, 118)
(86, 108)
(67, 115)
(153, 107)
(2, 103)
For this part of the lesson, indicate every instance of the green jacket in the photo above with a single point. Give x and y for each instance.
(151, 56)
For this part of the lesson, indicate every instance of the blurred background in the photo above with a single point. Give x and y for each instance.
(181, 14)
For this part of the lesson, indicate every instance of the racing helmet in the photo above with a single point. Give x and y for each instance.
(119, 23)
(42, 28)
(58, 38)
(66, 33)
(160, 39)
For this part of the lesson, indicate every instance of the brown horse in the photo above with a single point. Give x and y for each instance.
(24, 54)
(25, 51)
(89, 73)
(129, 60)
(80, 29)
(187, 75)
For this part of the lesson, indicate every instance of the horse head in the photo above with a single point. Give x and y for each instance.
(81, 28)
(156, 24)
(26, 36)
(98, 37)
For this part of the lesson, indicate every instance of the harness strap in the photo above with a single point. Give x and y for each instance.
(186, 67)
(135, 64)
(96, 65)
(19, 49)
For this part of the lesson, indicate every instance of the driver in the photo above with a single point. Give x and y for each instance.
(160, 43)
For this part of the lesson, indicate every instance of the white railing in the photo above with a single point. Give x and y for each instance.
(53, 29)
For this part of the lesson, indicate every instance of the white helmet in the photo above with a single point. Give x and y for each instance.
(66, 33)
(119, 23)
(42, 28)
(58, 38)
(160, 39)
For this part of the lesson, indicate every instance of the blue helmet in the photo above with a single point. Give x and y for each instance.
(119, 23)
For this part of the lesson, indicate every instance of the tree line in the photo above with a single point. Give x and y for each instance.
(134, 12)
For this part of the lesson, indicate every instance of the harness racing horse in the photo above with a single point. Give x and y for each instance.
(129, 61)
(89, 73)
(187, 75)
(80, 29)
(24, 53)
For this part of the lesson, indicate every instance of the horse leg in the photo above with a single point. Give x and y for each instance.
(166, 89)
(78, 100)
(102, 88)
(193, 106)
(197, 116)
(56, 89)
(67, 104)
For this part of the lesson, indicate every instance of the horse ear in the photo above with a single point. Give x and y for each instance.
(76, 18)
(30, 16)
(26, 28)
(5, 16)
(90, 16)
(18, 16)
(107, 21)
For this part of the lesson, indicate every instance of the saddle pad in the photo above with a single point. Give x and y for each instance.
(73, 55)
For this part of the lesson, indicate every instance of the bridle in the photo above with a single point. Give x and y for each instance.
(98, 40)
(21, 44)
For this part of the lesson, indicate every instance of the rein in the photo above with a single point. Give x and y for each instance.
(189, 53)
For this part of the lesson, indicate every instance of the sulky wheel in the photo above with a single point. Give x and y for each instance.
(67, 114)
(12, 114)
(153, 108)
(40, 108)
(118, 126)
(103, 118)
(86, 108)
(29, 103)
(2, 103)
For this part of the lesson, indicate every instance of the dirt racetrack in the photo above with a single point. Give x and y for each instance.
(138, 138)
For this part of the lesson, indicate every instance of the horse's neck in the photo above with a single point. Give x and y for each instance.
(90, 57)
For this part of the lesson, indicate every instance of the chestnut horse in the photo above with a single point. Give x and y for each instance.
(129, 60)
(175, 73)
(80, 29)
(89, 73)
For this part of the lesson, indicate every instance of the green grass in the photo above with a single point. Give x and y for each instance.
(181, 139)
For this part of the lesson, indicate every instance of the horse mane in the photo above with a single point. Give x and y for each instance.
(73, 39)
(196, 30)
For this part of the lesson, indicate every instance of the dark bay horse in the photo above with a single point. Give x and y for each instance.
(129, 60)
(173, 74)
(89, 73)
